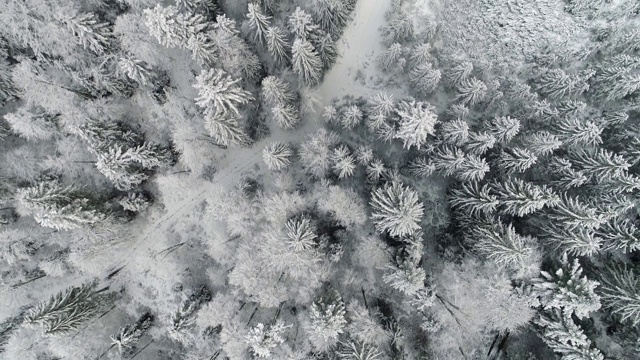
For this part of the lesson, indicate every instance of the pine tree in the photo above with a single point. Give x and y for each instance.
(203, 49)
(516, 160)
(327, 321)
(344, 164)
(286, 116)
(454, 132)
(620, 292)
(315, 153)
(351, 117)
(519, 198)
(226, 130)
(277, 91)
(448, 159)
(277, 44)
(277, 156)
(557, 84)
(621, 235)
(479, 142)
(541, 143)
(364, 154)
(218, 91)
(399, 29)
(568, 290)
(91, 33)
(263, 340)
(258, 22)
(564, 176)
(327, 50)
(306, 62)
(183, 319)
(471, 91)
(135, 70)
(417, 122)
(501, 244)
(381, 103)
(135, 202)
(576, 241)
(32, 124)
(301, 233)
(473, 199)
(390, 58)
(406, 277)
(359, 351)
(118, 166)
(473, 168)
(330, 114)
(130, 334)
(459, 73)
(575, 132)
(599, 164)
(504, 128)
(421, 167)
(332, 15)
(425, 78)
(566, 338)
(396, 209)
(69, 309)
(301, 25)
(573, 213)
(374, 170)
(74, 215)
(172, 28)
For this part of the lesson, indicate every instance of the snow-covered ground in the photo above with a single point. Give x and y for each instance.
(358, 47)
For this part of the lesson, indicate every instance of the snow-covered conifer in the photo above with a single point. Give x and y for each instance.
(326, 48)
(32, 124)
(505, 128)
(574, 241)
(501, 244)
(474, 199)
(420, 54)
(473, 168)
(277, 44)
(172, 28)
(417, 121)
(315, 153)
(620, 235)
(568, 290)
(301, 233)
(276, 90)
(75, 215)
(479, 143)
(576, 132)
(91, 33)
(330, 114)
(556, 84)
(258, 22)
(541, 143)
(69, 309)
(286, 115)
(351, 117)
(520, 198)
(301, 24)
(620, 292)
(599, 164)
(344, 164)
(203, 49)
(425, 78)
(263, 340)
(390, 57)
(399, 29)
(306, 62)
(332, 15)
(516, 160)
(454, 132)
(396, 209)
(135, 202)
(226, 130)
(565, 337)
(375, 169)
(448, 159)
(421, 167)
(471, 91)
(406, 277)
(381, 103)
(119, 166)
(218, 91)
(351, 350)
(130, 334)
(326, 321)
(459, 73)
(183, 319)
(277, 155)
(573, 213)
(364, 154)
(134, 69)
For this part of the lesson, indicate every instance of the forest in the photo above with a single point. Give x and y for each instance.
(319, 179)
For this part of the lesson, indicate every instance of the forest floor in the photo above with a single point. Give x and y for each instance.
(358, 47)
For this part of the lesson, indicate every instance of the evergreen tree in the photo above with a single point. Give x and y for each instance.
(620, 235)
(479, 142)
(218, 91)
(327, 321)
(32, 124)
(277, 155)
(399, 29)
(277, 44)
(421, 167)
(454, 132)
(516, 160)
(301, 25)
(364, 154)
(327, 50)
(406, 277)
(135, 202)
(448, 159)
(315, 153)
(417, 121)
(473, 199)
(91, 33)
(69, 309)
(359, 351)
(459, 73)
(258, 22)
(135, 70)
(381, 103)
(277, 91)
(130, 334)
(568, 290)
(74, 215)
(541, 143)
(519, 198)
(374, 170)
(344, 164)
(504, 128)
(306, 62)
(203, 49)
(172, 28)
(473, 168)
(576, 132)
(425, 78)
(574, 241)
(332, 15)
(264, 340)
(557, 84)
(119, 167)
(286, 116)
(330, 114)
(183, 319)
(226, 130)
(471, 91)
(351, 117)
(620, 292)
(566, 338)
(599, 164)
(396, 209)
(573, 213)
(390, 57)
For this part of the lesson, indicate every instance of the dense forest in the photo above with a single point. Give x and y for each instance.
(320, 179)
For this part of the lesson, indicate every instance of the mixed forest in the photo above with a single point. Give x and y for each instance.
(319, 179)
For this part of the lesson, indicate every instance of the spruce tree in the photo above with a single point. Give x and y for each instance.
(396, 209)
(258, 22)
(226, 130)
(454, 132)
(417, 122)
(479, 142)
(619, 234)
(425, 78)
(277, 91)
(471, 91)
(474, 199)
(459, 73)
(501, 244)
(574, 241)
(277, 155)
(351, 117)
(520, 198)
(285, 115)
(344, 163)
(541, 143)
(620, 292)
(327, 321)
(516, 160)
(562, 335)
(599, 164)
(306, 62)
(504, 128)
(448, 159)
(277, 44)
(473, 168)
(576, 132)
(91, 33)
(218, 91)
(130, 334)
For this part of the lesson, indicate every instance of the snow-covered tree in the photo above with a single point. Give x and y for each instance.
(574, 241)
(277, 44)
(406, 277)
(218, 91)
(565, 337)
(556, 84)
(399, 29)
(474, 199)
(599, 164)
(330, 114)
(326, 321)
(258, 22)
(183, 320)
(541, 143)
(69, 309)
(332, 15)
(301, 25)
(448, 159)
(306, 62)
(374, 170)
(135, 70)
(479, 143)
(425, 78)
(381, 103)
(573, 213)
(344, 163)
(263, 340)
(473, 168)
(471, 91)
(577, 132)
(364, 154)
(454, 132)
(621, 235)
(516, 160)
(172, 28)
(520, 198)
(504, 128)
(90, 32)
(277, 155)
(501, 244)
(130, 334)
(277, 91)
(389, 59)
(567, 290)
(620, 292)
(285, 115)
(315, 153)
(421, 167)
(135, 202)
(396, 209)
(32, 124)
(326, 48)
(359, 351)
(417, 122)
(226, 130)
(351, 117)
(459, 73)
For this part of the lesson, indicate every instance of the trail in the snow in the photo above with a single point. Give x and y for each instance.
(358, 47)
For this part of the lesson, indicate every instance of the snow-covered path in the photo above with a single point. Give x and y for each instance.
(359, 43)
